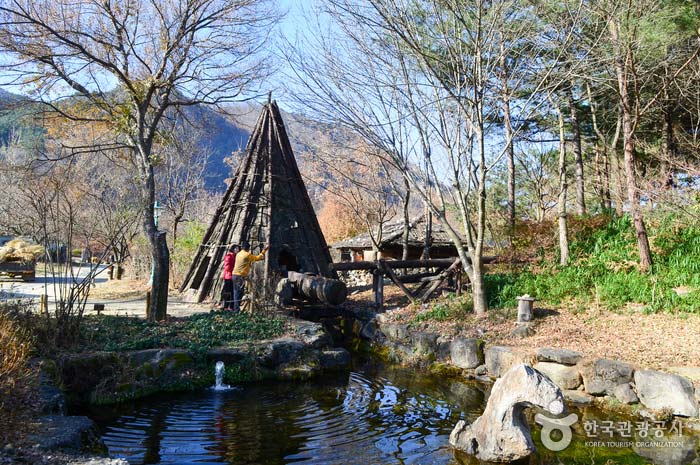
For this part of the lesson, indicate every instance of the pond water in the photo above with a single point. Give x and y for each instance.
(373, 415)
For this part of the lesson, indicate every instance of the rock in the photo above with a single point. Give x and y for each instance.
(566, 377)
(52, 400)
(522, 331)
(692, 373)
(280, 352)
(444, 346)
(562, 356)
(625, 394)
(683, 452)
(73, 433)
(334, 359)
(80, 373)
(424, 343)
(601, 376)
(230, 356)
(501, 433)
(314, 335)
(659, 390)
(577, 397)
(467, 353)
(368, 330)
(394, 331)
(500, 358)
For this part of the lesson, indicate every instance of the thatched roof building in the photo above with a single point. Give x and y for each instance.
(360, 247)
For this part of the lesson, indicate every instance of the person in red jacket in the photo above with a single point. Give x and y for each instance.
(227, 289)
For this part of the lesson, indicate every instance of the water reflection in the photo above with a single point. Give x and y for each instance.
(374, 415)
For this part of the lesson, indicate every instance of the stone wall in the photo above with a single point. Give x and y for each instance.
(109, 377)
(583, 380)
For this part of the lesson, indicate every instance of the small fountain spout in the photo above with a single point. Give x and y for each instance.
(219, 374)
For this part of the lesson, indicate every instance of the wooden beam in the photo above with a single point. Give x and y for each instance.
(386, 269)
(394, 264)
(440, 279)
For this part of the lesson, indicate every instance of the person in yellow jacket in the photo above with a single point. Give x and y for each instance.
(241, 269)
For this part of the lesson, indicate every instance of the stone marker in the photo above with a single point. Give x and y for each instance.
(501, 433)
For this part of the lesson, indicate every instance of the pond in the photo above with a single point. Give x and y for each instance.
(375, 414)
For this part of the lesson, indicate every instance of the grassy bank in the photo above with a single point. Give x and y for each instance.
(603, 269)
(197, 333)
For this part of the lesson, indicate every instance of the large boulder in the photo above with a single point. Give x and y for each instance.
(566, 377)
(659, 390)
(601, 376)
(500, 359)
(424, 343)
(334, 359)
(682, 452)
(395, 332)
(578, 397)
(314, 335)
(501, 433)
(467, 352)
(73, 433)
(563, 356)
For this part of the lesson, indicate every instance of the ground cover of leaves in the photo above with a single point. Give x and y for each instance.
(659, 340)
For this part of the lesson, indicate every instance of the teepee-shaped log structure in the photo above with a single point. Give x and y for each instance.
(266, 203)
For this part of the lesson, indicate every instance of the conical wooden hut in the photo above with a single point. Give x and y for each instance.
(266, 202)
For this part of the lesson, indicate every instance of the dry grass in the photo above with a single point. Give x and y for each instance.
(20, 250)
(16, 377)
(119, 289)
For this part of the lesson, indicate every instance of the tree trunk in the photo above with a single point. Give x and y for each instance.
(578, 155)
(667, 147)
(406, 220)
(510, 152)
(645, 260)
(428, 233)
(607, 200)
(561, 203)
(159, 253)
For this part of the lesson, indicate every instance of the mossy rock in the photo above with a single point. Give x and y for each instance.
(446, 370)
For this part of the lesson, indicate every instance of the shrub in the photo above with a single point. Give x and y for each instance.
(16, 377)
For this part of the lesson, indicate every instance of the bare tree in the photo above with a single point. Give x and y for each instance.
(421, 84)
(126, 65)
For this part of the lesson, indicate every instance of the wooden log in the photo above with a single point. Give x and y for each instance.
(383, 268)
(416, 277)
(317, 288)
(435, 263)
(440, 279)
(394, 264)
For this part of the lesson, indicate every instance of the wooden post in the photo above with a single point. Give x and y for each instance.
(148, 306)
(378, 289)
(43, 304)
